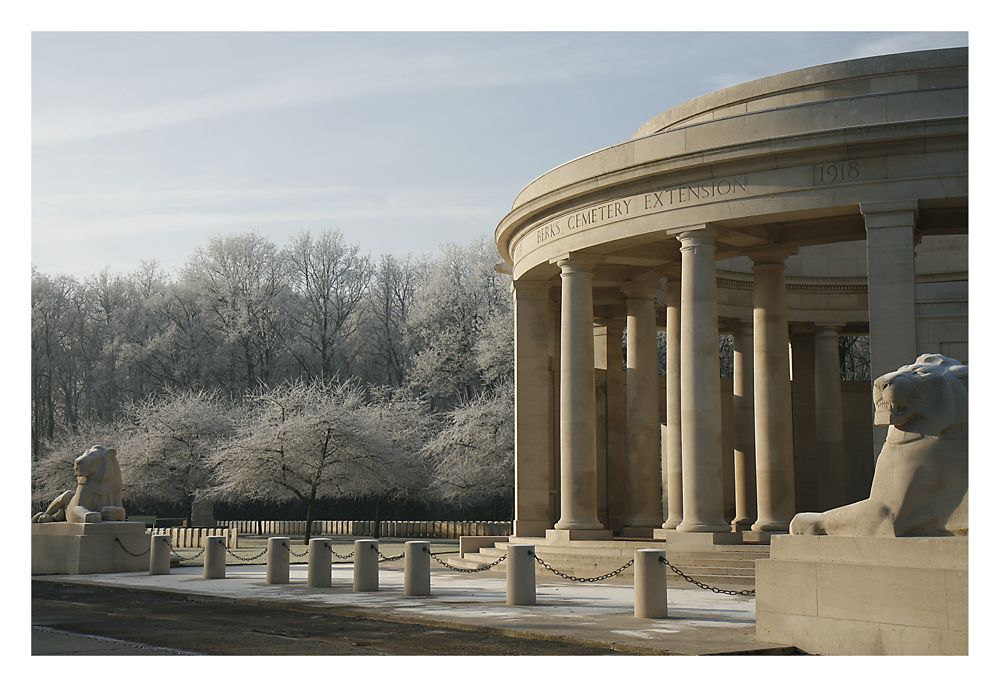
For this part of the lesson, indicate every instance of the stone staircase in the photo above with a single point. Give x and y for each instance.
(726, 566)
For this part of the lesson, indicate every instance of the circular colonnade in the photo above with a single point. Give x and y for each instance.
(812, 204)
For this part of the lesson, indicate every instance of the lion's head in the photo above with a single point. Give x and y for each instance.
(98, 469)
(930, 397)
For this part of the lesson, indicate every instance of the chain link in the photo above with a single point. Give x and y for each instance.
(297, 555)
(185, 558)
(383, 559)
(245, 558)
(579, 579)
(134, 555)
(350, 555)
(688, 578)
(465, 570)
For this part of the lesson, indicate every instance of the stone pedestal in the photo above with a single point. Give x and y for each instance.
(366, 565)
(650, 584)
(520, 575)
(838, 595)
(71, 548)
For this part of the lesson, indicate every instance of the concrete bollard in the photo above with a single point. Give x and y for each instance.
(650, 584)
(278, 558)
(320, 560)
(520, 575)
(417, 569)
(215, 558)
(159, 554)
(366, 565)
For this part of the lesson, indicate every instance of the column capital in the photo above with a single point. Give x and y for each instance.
(828, 328)
(640, 290)
(702, 235)
(775, 254)
(576, 262)
(890, 214)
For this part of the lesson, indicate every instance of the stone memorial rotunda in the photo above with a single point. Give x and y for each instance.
(786, 211)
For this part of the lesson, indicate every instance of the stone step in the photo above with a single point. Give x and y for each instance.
(598, 565)
(681, 554)
(711, 576)
(640, 544)
(680, 559)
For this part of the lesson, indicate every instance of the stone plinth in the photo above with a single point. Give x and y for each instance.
(70, 548)
(838, 595)
(578, 535)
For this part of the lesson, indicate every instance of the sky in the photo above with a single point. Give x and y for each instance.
(144, 145)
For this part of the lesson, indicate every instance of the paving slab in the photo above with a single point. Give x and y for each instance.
(593, 614)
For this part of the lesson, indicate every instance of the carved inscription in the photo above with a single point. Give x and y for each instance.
(834, 172)
(704, 190)
(646, 203)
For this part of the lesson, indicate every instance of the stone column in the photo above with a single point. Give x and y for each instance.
(701, 401)
(532, 417)
(832, 487)
(892, 310)
(745, 466)
(577, 411)
(772, 397)
(672, 474)
(612, 462)
(645, 502)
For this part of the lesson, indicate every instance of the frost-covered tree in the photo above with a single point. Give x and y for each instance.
(408, 423)
(388, 343)
(167, 442)
(52, 473)
(473, 454)
(307, 441)
(460, 292)
(243, 284)
(330, 278)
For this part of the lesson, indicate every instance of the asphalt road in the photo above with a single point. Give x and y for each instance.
(72, 620)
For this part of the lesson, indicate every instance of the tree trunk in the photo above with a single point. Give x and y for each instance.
(310, 514)
(378, 515)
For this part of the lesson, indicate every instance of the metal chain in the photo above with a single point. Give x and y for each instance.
(297, 555)
(688, 578)
(245, 558)
(185, 558)
(134, 555)
(327, 545)
(579, 579)
(383, 559)
(465, 570)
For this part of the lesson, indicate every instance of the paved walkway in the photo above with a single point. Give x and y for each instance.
(594, 614)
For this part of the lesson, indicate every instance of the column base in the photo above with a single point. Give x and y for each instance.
(670, 524)
(578, 535)
(742, 525)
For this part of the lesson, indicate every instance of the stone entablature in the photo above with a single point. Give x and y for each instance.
(807, 165)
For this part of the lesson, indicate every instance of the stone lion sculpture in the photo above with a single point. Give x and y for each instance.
(921, 482)
(98, 495)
